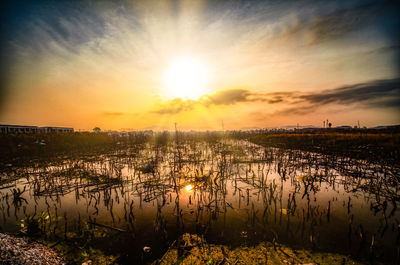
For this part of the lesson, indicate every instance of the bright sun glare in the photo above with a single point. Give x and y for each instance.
(186, 77)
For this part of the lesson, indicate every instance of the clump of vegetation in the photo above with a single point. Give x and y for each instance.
(192, 249)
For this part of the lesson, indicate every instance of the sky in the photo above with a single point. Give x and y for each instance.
(244, 64)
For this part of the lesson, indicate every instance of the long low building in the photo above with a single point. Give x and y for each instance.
(55, 129)
(33, 129)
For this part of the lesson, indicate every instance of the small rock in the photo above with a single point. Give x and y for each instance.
(146, 249)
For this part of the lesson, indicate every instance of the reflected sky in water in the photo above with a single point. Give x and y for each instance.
(232, 192)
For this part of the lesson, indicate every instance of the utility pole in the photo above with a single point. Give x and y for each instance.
(176, 133)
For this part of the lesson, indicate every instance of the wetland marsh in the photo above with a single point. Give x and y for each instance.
(130, 204)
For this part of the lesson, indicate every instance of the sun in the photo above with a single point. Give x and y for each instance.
(186, 77)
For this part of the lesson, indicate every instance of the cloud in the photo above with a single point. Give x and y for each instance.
(374, 94)
(228, 97)
(233, 96)
(366, 93)
(175, 106)
(224, 97)
(221, 97)
(341, 22)
(326, 23)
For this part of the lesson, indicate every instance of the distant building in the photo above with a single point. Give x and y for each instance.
(18, 129)
(33, 129)
(56, 130)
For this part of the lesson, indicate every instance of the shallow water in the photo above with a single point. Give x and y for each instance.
(232, 192)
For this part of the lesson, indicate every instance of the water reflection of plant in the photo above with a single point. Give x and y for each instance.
(274, 192)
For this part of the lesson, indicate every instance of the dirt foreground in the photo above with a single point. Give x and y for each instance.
(14, 250)
(192, 249)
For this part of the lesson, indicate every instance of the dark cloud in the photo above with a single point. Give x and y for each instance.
(374, 94)
(366, 93)
(228, 97)
(222, 97)
(233, 96)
